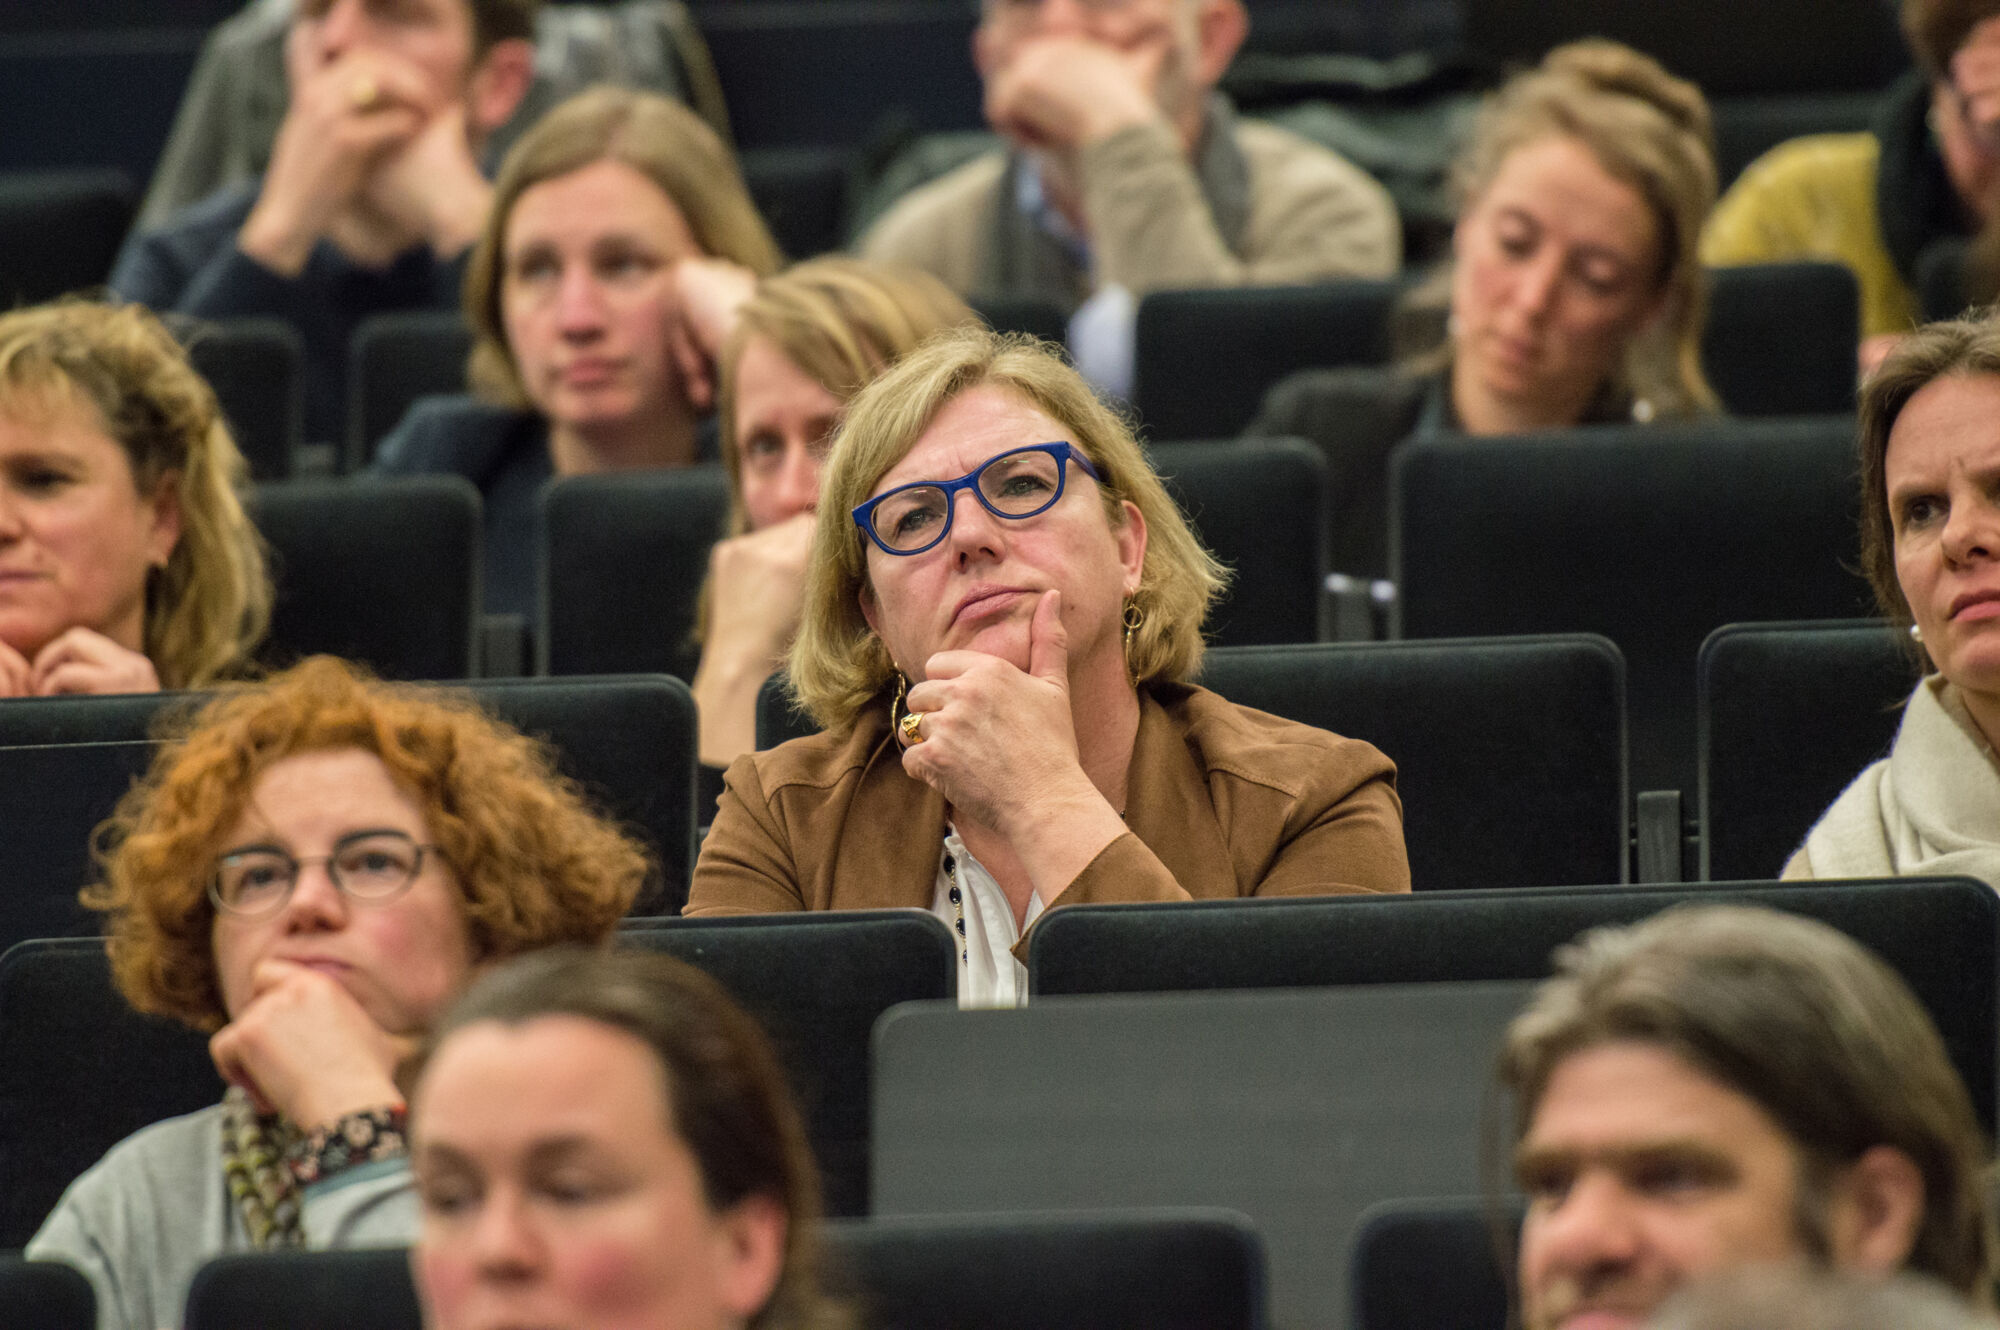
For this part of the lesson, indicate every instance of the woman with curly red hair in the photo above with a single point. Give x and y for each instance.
(311, 875)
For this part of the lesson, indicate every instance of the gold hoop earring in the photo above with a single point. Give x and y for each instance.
(1133, 618)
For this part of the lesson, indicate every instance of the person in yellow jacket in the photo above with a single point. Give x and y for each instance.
(1927, 170)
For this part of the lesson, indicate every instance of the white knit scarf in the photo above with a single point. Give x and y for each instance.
(1932, 808)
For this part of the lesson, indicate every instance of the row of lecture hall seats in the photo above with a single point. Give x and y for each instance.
(1182, 1268)
(1653, 536)
(1510, 755)
(1127, 1083)
(1780, 340)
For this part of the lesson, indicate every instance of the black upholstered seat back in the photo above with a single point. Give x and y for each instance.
(1509, 752)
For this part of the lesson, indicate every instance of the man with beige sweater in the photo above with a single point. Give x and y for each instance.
(1122, 168)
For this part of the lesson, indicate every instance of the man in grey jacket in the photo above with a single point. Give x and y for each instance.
(1124, 171)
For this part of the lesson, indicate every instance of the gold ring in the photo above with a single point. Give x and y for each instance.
(363, 92)
(912, 727)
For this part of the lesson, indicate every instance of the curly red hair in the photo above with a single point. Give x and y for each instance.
(536, 865)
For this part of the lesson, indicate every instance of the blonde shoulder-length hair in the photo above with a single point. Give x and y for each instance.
(837, 664)
(838, 321)
(655, 136)
(210, 605)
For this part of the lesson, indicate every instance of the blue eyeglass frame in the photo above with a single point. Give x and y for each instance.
(1062, 450)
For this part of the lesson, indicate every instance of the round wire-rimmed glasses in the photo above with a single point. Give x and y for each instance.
(368, 866)
(1015, 484)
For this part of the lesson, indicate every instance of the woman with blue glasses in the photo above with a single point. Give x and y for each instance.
(1001, 614)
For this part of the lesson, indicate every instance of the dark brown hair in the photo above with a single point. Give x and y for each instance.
(1958, 346)
(1800, 1019)
(725, 1090)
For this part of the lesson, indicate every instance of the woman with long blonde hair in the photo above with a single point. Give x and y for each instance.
(127, 563)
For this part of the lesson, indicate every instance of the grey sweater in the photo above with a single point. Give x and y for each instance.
(147, 1215)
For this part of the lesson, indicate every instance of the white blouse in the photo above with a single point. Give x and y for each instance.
(976, 911)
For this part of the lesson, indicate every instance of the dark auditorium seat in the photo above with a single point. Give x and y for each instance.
(1509, 752)
(1203, 359)
(818, 983)
(1424, 1265)
(46, 1295)
(802, 194)
(1357, 1095)
(778, 717)
(1166, 1269)
(833, 71)
(1724, 49)
(56, 795)
(1259, 505)
(383, 572)
(305, 1290)
(79, 1072)
(60, 231)
(1941, 934)
(257, 368)
(393, 360)
(1788, 715)
(623, 561)
(1653, 536)
(1941, 280)
(1023, 314)
(1748, 126)
(629, 740)
(1781, 338)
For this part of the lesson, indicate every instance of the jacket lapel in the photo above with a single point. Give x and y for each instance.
(889, 857)
(1167, 806)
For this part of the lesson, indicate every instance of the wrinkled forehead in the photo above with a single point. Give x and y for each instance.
(977, 425)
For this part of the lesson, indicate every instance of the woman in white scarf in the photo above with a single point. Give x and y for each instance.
(1930, 545)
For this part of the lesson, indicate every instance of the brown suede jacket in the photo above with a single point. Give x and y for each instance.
(1221, 801)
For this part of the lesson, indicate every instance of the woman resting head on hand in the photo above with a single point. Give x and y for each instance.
(605, 1139)
(620, 240)
(311, 875)
(801, 347)
(1930, 546)
(621, 237)
(1001, 610)
(126, 560)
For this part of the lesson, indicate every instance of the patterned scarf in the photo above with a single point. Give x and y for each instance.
(253, 1164)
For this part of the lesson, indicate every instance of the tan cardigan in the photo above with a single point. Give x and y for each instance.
(1221, 801)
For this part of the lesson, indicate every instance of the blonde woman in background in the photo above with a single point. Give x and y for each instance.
(611, 218)
(127, 563)
(795, 351)
(1575, 294)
